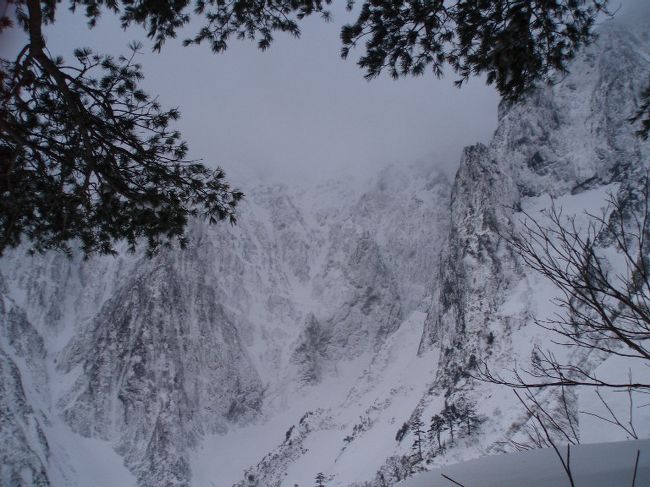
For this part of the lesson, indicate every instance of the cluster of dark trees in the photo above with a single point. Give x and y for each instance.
(86, 155)
(462, 417)
(456, 420)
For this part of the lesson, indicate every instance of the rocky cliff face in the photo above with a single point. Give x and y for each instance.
(314, 335)
(563, 141)
(569, 145)
(154, 355)
(25, 451)
(161, 364)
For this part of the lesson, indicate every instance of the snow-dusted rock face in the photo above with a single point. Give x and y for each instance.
(154, 355)
(25, 451)
(315, 334)
(572, 142)
(567, 145)
(161, 363)
(564, 140)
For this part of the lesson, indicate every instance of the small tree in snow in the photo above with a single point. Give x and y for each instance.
(418, 432)
(450, 415)
(466, 414)
(401, 432)
(438, 425)
(320, 479)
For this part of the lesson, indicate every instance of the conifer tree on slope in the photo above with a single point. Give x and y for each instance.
(320, 479)
(87, 155)
(438, 425)
(418, 433)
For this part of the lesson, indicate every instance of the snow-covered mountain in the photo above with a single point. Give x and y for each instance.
(313, 335)
(154, 356)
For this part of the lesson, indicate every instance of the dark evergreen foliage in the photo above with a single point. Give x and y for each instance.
(401, 432)
(86, 154)
(436, 429)
(466, 415)
(320, 479)
(458, 418)
(450, 415)
(513, 42)
(93, 158)
(418, 435)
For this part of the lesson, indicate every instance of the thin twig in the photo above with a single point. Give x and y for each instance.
(453, 481)
(636, 466)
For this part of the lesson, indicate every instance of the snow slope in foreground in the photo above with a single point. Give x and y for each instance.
(597, 465)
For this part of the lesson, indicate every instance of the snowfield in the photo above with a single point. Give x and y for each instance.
(597, 465)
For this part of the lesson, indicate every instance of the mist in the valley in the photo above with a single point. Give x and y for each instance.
(297, 111)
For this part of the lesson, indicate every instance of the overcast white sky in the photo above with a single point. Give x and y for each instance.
(297, 110)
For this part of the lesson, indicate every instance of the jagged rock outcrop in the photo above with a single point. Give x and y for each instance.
(566, 144)
(153, 355)
(562, 140)
(25, 451)
(162, 363)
